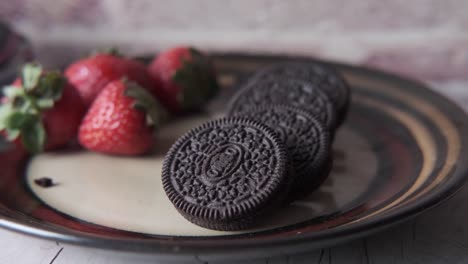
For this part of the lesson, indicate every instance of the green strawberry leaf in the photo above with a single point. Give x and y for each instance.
(197, 81)
(20, 102)
(29, 105)
(144, 101)
(12, 134)
(5, 112)
(19, 120)
(34, 137)
(30, 75)
(21, 114)
(40, 85)
(50, 86)
(45, 103)
(12, 91)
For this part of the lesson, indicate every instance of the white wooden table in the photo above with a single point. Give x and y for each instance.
(439, 235)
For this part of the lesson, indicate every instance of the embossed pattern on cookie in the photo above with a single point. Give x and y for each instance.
(307, 142)
(324, 77)
(223, 173)
(293, 92)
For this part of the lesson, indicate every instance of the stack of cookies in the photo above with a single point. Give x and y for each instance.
(274, 147)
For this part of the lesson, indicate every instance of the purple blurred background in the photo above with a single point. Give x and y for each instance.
(425, 39)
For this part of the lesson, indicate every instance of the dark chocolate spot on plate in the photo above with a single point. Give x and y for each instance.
(44, 182)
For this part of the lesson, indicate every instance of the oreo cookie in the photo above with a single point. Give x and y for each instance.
(225, 173)
(294, 92)
(306, 139)
(319, 75)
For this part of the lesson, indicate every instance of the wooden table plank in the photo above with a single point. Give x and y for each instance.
(16, 248)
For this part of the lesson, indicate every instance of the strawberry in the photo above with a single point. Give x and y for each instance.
(41, 110)
(90, 75)
(121, 120)
(186, 77)
(11, 151)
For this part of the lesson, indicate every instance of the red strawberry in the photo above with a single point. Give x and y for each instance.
(41, 109)
(121, 120)
(11, 151)
(186, 77)
(90, 75)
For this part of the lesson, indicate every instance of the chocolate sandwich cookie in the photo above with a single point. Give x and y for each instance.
(320, 75)
(294, 92)
(225, 173)
(306, 139)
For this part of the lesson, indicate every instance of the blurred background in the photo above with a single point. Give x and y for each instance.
(425, 39)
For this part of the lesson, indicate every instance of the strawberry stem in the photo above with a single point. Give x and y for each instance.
(144, 101)
(21, 114)
(30, 76)
(197, 80)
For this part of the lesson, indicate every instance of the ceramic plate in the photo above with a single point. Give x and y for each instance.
(401, 150)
